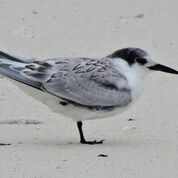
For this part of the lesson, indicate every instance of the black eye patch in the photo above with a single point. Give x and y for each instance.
(141, 61)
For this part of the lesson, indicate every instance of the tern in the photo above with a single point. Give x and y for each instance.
(83, 88)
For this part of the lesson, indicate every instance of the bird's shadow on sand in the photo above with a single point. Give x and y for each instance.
(66, 144)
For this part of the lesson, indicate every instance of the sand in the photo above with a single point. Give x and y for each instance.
(46, 145)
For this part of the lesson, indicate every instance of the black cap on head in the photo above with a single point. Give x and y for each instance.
(131, 55)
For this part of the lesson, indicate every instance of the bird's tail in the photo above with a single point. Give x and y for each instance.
(12, 67)
(14, 58)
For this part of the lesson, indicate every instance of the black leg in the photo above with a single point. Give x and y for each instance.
(82, 138)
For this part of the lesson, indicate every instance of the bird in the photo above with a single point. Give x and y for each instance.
(83, 88)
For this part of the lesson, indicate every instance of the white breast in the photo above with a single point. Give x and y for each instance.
(134, 77)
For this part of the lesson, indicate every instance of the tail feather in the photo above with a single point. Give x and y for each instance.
(14, 58)
(7, 64)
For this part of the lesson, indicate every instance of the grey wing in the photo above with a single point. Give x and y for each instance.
(27, 71)
(89, 82)
(14, 67)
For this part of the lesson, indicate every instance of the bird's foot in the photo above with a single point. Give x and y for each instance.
(92, 142)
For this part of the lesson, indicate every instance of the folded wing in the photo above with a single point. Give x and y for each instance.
(88, 82)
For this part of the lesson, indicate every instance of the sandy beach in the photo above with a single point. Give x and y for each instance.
(46, 145)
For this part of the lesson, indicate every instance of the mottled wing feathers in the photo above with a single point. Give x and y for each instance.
(89, 82)
(15, 73)
(12, 67)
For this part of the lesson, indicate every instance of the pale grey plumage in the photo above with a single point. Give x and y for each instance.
(88, 82)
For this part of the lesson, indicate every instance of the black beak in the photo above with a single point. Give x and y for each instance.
(159, 67)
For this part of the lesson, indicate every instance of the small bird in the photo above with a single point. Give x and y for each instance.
(83, 88)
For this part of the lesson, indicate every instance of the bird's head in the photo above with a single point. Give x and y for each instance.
(140, 60)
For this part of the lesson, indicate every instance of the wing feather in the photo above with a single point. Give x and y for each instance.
(89, 82)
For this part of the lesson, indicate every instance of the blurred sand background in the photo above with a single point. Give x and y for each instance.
(46, 145)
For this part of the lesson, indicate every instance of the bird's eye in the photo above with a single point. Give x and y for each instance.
(141, 61)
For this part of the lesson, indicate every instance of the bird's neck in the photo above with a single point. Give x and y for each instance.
(135, 76)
